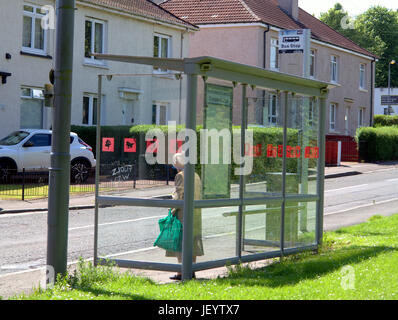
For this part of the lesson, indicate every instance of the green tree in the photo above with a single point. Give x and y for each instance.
(378, 30)
(338, 19)
(375, 30)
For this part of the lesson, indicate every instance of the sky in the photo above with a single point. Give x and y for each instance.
(353, 7)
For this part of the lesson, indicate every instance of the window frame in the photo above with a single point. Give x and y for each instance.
(313, 63)
(273, 116)
(332, 124)
(91, 112)
(91, 59)
(156, 115)
(334, 68)
(361, 116)
(168, 38)
(274, 46)
(36, 14)
(362, 76)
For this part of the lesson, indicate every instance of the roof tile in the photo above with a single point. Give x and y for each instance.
(250, 11)
(141, 7)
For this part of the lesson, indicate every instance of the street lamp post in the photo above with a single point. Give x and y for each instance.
(389, 84)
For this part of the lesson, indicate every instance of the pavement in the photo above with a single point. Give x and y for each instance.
(24, 281)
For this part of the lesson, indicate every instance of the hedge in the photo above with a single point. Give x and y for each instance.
(377, 144)
(385, 121)
(261, 136)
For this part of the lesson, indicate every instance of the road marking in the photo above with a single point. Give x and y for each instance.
(129, 252)
(22, 214)
(358, 186)
(362, 206)
(116, 222)
(392, 180)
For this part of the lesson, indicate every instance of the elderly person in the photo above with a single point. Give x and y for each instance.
(178, 162)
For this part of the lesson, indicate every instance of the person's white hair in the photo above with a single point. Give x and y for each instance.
(178, 161)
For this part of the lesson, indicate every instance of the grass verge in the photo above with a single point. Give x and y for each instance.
(358, 262)
(14, 192)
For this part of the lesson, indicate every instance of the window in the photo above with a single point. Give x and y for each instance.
(34, 37)
(332, 116)
(272, 111)
(274, 56)
(312, 63)
(361, 113)
(41, 140)
(334, 69)
(89, 115)
(161, 48)
(362, 76)
(14, 138)
(160, 114)
(94, 40)
(32, 110)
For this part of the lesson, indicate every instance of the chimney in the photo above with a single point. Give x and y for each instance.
(290, 7)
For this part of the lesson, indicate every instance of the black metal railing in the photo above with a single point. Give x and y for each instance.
(27, 185)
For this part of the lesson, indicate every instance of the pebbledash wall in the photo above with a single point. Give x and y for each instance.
(125, 33)
(347, 97)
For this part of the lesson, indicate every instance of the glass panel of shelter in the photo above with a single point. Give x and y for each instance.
(136, 160)
(227, 231)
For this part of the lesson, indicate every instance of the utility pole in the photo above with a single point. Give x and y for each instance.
(58, 198)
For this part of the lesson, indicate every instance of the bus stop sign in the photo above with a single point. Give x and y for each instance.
(291, 41)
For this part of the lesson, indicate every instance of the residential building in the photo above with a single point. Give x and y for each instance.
(135, 27)
(383, 108)
(246, 31)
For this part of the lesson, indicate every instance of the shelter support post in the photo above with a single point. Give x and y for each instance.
(239, 217)
(285, 114)
(97, 168)
(189, 183)
(321, 169)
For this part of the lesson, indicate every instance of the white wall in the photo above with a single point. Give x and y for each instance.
(379, 109)
(126, 35)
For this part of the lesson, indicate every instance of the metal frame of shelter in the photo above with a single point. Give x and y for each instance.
(246, 76)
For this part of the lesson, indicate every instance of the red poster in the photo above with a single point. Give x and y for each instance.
(253, 151)
(152, 146)
(311, 152)
(108, 144)
(130, 145)
(175, 145)
(271, 151)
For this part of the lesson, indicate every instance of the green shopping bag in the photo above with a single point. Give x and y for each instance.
(170, 237)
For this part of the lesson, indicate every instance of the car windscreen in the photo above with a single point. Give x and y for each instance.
(14, 138)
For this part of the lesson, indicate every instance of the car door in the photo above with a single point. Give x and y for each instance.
(36, 152)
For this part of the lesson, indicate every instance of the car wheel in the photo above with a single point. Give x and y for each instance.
(79, 172)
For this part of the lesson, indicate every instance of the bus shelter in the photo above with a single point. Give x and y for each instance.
(253, 141)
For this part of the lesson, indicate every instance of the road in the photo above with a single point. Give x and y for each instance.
(126, 230)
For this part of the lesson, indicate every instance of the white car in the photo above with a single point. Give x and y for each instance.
(30, 149)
